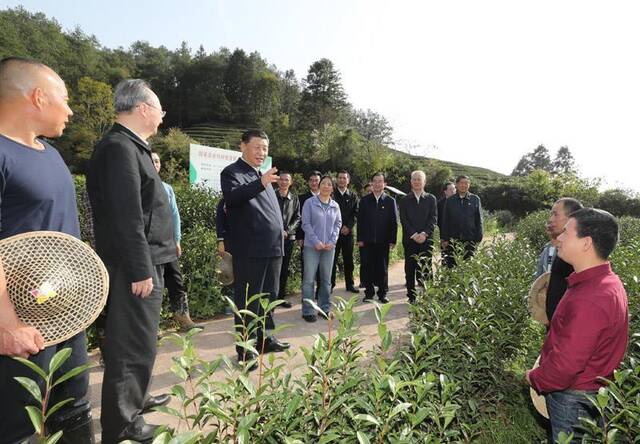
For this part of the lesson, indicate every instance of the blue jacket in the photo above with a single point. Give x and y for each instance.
(320, 224)
(175, 213)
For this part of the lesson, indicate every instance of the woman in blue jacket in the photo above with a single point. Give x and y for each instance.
(321, 222)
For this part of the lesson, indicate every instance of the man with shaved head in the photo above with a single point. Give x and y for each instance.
(36, 193)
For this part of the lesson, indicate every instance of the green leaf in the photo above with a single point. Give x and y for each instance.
(53, 439)
(190, 437)
(362, 438)
(59, 359)
(36, 418)
(57, 407)
(31, 386)
(162, 438)
(32, 366)
(367, 418)
(402, 407)
(70, 374)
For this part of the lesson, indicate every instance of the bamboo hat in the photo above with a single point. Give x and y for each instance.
(226, 269)
(56, 283)
(538, 400)
(537, 299)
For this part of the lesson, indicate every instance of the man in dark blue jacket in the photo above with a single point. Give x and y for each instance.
(256, 238)
(377, 232)
(461, 222)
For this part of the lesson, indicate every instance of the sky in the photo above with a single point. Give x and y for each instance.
(477, 82)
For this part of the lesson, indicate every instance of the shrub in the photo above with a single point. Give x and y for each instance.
(532, 229)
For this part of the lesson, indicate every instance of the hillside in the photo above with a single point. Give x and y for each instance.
(223, 135)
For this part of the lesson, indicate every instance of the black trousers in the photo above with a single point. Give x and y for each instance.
(375, 267)
(174, 284)
(15, 425)
(344, 246)
(417, 258)
(254, 275)
(129, 351)
(469, 248)
(284, 271)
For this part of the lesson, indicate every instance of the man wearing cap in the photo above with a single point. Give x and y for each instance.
(590, 328)
(256, 237)
(36, 193)
(134, 238)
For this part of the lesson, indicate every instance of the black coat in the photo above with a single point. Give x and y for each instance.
(441, 203)
(348, 207)
(131, 212)
(377, 222)
(418, 218)
(462, 218)
(302, 198)
(290, 208)
(253, 213)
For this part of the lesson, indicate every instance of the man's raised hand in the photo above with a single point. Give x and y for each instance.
(269, 177)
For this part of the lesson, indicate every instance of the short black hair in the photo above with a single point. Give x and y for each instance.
(570, 205)
(343, 172)
(446, 185)
(314, 173)
(281, 172)
(327, 176)
(461, 177)
(379, 173)
(600, 226)
(250, 134)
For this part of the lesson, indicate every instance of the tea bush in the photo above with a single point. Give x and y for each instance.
(532, 229)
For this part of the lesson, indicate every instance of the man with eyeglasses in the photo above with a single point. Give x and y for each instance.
(134, 238)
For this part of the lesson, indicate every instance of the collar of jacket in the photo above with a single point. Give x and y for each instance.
(288, 196)
(131, 135)
(318, 203)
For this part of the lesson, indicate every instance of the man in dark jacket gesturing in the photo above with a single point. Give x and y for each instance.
(418, 215)
(377, 232)
(461, 222)
(256, 237)
(134, 238)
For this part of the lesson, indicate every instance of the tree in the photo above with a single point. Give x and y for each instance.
(538, 159)
(323, 99)
(563, 163)
(91, 102)
(372, 126)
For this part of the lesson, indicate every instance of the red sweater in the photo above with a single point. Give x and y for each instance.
(588, 335)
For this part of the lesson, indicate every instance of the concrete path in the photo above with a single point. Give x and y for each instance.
(217, 340)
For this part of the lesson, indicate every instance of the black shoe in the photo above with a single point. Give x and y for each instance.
(367, 299)
(352, 289)
(383, 299)
(142, 434)
(244, 359)
(325, 316)
(155, 401)
(77, 429)
(309, 318)
(273, 345)
(285, 304)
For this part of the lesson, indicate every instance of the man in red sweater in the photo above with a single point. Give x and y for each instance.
(590, 328)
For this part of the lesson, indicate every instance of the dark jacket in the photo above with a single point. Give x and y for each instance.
(462, 218)
(290, 208)
(253, 212)
(348, 207)
(560, 271)
(441, 203)
(418, 217)
(377, 222)
(302, 198)
(131, 212)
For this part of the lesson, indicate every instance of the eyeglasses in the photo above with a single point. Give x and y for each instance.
(162, 113)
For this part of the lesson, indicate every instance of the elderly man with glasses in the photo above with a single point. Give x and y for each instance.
(134, 237)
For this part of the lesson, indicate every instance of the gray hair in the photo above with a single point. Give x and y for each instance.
(129, 93)
(419, 173)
